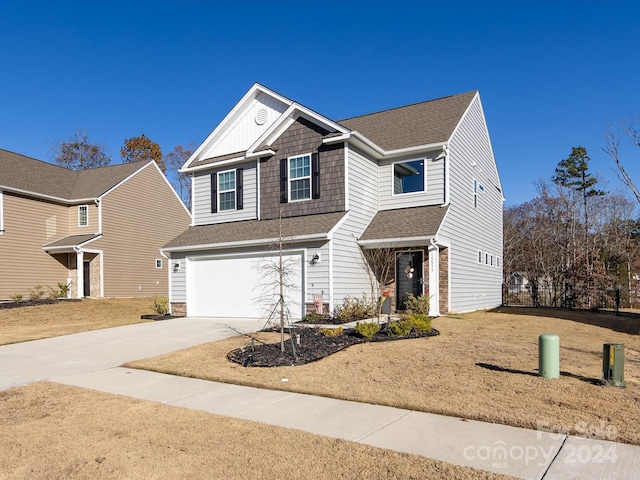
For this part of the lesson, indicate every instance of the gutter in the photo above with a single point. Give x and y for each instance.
(396, 242)
(248, 243)
(47, 197)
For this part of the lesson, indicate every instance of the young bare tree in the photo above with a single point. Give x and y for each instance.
(380, 266)
(181, 182)
(612, 148)
(78, 153)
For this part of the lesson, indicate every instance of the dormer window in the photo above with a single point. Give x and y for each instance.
(83, 215)
(408, 177)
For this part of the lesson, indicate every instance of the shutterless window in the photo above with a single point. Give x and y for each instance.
(158, 263)
(300, 178)
(408, 177)
(227, 190)
(83, 215)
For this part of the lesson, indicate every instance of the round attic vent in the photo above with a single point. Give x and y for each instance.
(261, 116)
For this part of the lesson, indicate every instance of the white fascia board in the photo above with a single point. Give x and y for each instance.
(74, 248)
(396, 242)
(337, 226)
(378, 152)
(253, 93)
(65, 201)
(248, 243)
(223, 163)
(262, 153)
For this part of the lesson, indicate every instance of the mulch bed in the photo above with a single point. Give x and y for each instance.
(313, 346)
(33, 303)
(158, 317)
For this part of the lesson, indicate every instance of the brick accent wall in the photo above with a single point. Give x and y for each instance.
(301, 138)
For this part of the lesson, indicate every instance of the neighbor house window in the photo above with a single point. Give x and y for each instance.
(300, 178)
(83, 215)
(408, 177)
(227, 190)
(480, 256)
(158, 263)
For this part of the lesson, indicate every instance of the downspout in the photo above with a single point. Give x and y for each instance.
(98, 203)
(447, 199)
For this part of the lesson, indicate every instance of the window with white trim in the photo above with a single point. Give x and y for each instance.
(477, 188)
(300, 178)
(83, 215)
(227, 190)
(480, 257)
(158, 263)
(409, 177)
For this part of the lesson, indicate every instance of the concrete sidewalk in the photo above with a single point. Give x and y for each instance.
(91, 360)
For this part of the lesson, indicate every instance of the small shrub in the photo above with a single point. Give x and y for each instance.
(399, 328)
(312, 317)
(17, 297)
(36, 293)
(419, 322)
(332, 332)
(367, 329)
(419, 305)
(160, 305)
(63, 290)
(355, 309)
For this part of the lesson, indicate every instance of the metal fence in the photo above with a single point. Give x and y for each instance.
(563, 296)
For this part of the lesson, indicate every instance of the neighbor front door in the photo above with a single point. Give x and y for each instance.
(408, 276)
(87, 279)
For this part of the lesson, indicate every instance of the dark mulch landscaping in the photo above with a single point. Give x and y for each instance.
(158, 317)
(33, 303)
(314, 346)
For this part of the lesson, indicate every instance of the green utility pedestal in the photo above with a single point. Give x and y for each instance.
(549, 356)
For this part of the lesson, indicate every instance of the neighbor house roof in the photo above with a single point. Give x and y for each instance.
(290, 229)
(67, 243)
(28, 175)
(422, 123)
(403, 225)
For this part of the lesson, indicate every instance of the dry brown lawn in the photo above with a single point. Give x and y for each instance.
(44, 321)
(53, 431)
(483, 366)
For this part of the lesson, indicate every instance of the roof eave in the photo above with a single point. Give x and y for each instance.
(43, 196)
(247, 243)
(396, 242)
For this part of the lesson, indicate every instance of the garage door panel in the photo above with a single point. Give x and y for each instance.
(235, 287)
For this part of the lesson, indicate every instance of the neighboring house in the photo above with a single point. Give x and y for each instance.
(420, 179)
(99, 230)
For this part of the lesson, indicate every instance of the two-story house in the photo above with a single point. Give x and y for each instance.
(419, 180)
(98, 230)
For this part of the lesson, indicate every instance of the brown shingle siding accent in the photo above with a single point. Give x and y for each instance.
(301, 138)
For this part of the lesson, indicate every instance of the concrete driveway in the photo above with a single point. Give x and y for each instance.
(27, 362)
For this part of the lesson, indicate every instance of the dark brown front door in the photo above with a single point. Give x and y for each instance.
(87, 279)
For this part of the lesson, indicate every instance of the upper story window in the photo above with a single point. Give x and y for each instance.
(477, 188)
(408, 177)
(300, 178)
(227, 190)
(83, 215)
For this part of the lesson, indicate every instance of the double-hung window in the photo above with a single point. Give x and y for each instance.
(227, 190)
(300, 178)
(83, 215)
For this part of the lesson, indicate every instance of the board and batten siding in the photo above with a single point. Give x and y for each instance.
(350, 277)
(245, 127)
(28, 225)
(202, 197)
(138, 217)
(468, 230)
(435, 183)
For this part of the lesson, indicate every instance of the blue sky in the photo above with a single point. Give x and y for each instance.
(551, 74)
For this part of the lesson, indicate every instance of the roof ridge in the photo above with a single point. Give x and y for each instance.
(409, 105)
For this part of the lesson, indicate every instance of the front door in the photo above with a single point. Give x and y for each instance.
(86, 268)
(408, 276)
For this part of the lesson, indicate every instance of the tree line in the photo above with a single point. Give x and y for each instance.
(79, 153)
(575, 243)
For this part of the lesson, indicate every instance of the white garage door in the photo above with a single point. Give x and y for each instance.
(241, 286)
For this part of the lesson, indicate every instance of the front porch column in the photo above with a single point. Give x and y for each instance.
(79, 274)
(434, 281)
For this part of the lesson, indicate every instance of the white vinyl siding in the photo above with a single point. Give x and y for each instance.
(178, 286)
(473, 284)
(349, 266)
(202, 198)
(246, 129)
(434, 188)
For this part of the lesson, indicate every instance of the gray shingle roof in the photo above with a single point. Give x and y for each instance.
(405, 223)
(30, 175)
(254, 230)
(71, 241)
(419, 124)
